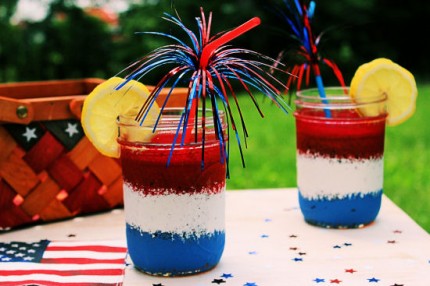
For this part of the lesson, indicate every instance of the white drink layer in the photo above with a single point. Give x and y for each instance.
(178, 213)
(322, 177)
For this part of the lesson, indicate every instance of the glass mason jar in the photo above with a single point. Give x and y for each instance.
(340, 147)
(174, 205)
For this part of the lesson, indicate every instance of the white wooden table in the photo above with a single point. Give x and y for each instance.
(269, 244)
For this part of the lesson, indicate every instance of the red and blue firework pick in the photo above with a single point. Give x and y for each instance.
(207, 67)
(299, 16)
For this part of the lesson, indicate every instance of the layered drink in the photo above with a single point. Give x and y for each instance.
(174, 197)
(339, 159)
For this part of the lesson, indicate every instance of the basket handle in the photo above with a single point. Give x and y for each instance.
(24, 111)
(20, 103)
(24, 102)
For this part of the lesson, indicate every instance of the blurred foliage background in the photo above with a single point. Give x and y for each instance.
(73, 41)
(76, 42)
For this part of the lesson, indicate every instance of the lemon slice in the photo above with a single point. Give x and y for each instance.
(103, 106)
(382, 76)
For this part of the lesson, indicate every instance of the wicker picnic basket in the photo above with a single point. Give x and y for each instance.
(49, 170)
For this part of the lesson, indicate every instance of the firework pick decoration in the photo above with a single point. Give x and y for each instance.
(207, 66)
(208, 51)
(298, 17)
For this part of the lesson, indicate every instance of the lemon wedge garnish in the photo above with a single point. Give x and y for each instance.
(103, 106)
(384, 77)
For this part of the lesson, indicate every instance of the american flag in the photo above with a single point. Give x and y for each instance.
(75, 263)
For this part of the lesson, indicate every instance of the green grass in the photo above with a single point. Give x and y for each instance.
(270, 156)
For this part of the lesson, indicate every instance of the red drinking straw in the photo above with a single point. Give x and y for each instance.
(209, 49)
(227, 37)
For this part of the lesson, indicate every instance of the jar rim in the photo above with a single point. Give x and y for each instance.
(336, 98)
(170, 118)
(169, 130)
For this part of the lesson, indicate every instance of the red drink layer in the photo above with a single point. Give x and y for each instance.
(344, 135)
(145, 166)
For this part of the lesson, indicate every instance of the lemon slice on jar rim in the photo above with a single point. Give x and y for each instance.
(384, 77)
(105, 104)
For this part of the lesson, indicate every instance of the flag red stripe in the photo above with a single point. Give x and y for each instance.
(51, 283)
(92, 272)
(82, 260)
(98, 248)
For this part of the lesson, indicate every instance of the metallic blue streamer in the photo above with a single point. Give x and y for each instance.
(224, 65)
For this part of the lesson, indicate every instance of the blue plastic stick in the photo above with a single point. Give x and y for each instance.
(321, 91)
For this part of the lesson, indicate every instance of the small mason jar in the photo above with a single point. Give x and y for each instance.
(340, 148)
(174, 194)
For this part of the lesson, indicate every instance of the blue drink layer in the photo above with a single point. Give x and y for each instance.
(174, 254)
(352, 211)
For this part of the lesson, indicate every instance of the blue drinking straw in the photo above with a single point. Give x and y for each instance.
(322, 94)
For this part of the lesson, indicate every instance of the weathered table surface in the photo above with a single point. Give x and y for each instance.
(268, 244)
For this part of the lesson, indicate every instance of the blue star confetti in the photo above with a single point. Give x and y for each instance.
(373, 279)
